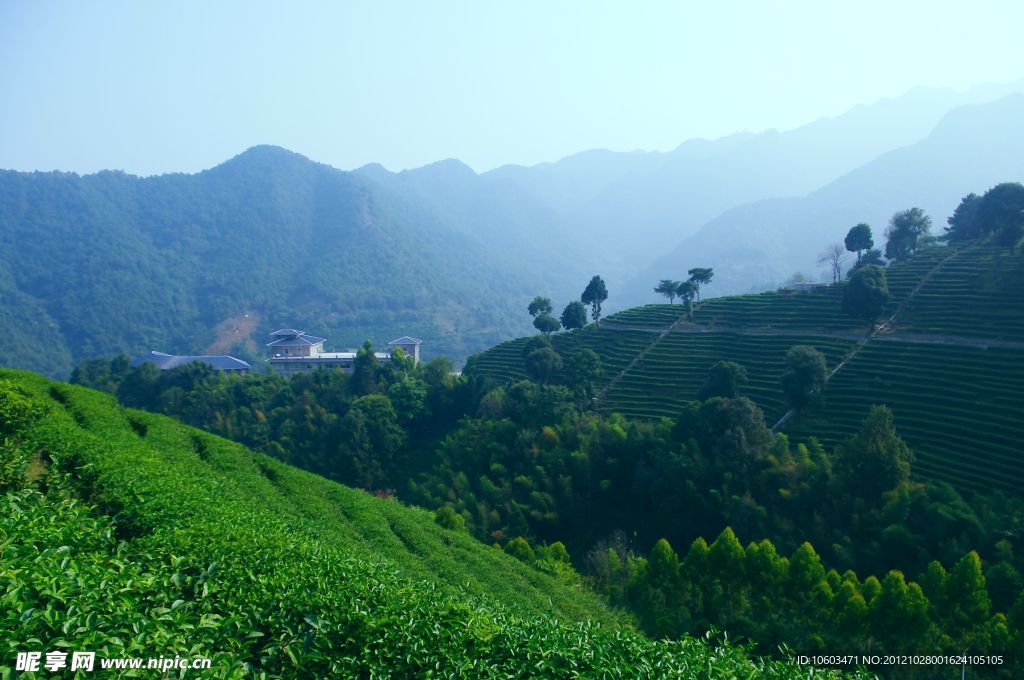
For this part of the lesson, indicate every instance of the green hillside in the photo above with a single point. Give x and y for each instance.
(978, 293)
(948, 363)
(213, 262)
(133, 535)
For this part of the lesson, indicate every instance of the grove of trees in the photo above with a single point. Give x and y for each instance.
(908, 230)
(529, 465)
(867, 293)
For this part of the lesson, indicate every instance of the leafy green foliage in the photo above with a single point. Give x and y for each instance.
(867, 293)
(191, 545)
(756, 592)
(574, 316)
(804, 377)
(539, 305)
(668, 288)
(724, 380)
(582, 370)
(1001, 212)
(594, 295)
(906, 233)
(543, 363)
(698, 277)
(859, 239)
(876, 455)
(719, 465)
(546, 323)
(964, 224)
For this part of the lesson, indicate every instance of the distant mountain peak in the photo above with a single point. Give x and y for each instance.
(268, 152)
(265, 158)
(449, 167)
(373, 169)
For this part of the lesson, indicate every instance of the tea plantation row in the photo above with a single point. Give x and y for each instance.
(130, 534)
(957, 404)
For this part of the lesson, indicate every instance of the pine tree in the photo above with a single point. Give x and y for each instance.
(967, 600)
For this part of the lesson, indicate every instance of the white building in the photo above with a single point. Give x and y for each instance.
(294, 352)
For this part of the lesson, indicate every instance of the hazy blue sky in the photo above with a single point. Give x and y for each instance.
(178, 86)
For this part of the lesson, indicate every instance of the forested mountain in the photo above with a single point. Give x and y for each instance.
(108, 263)
(757, 246)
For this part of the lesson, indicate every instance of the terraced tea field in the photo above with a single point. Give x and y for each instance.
(819, 309)
(959, 408)
(651, 316)
(504, 363)
(956, 403)
(673, 372)
(979, 293)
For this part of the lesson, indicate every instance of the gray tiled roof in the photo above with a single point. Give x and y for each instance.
(286, 333)
(220, 362)
(295, 341)
(406, 340)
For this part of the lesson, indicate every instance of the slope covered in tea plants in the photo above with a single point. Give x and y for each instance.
(132, 535)
(948, 360)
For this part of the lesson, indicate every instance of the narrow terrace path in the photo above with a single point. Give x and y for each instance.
(883, 327)
(883, 332)
(662, 332)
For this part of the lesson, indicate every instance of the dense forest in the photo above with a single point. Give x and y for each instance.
(844, 547)
(213, 262)
(129, 533)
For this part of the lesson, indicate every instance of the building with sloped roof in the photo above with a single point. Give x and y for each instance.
(294, 351)
(411, 346)
(219, 362)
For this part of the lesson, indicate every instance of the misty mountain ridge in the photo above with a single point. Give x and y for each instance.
(110, 262)
(758, 245)
(587, 201)
(107, 263)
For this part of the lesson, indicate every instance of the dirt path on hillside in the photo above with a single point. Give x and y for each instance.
(234, 330)
(874, 334)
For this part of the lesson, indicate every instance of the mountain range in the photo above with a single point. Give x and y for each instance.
(212, 262)
(185, 264)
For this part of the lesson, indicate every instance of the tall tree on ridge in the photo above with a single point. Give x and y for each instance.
(668, 288)
(907, 230)
(574, 316)
(699, 276)
(539, 305)
(594, 294)
(963, 223)
(859, 239)
(1001, 212)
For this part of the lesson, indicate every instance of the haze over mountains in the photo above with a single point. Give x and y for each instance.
(755, 246)
(618, 211)
(108, 263)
